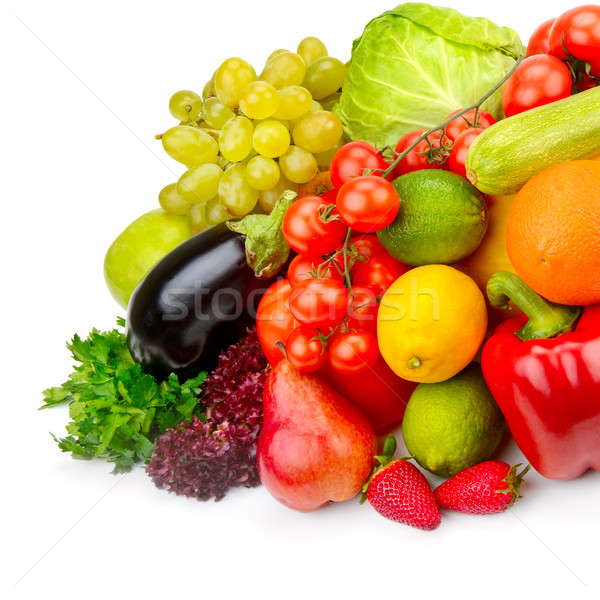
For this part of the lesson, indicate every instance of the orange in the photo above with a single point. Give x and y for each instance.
(553, 233)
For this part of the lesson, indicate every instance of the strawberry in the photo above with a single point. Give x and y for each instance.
(398, 491)
(489, 487)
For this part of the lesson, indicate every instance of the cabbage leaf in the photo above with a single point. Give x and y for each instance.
(416, 64)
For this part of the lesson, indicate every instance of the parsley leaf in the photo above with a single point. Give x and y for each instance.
(116, 409)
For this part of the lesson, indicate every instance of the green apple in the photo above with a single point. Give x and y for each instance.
(139, 248)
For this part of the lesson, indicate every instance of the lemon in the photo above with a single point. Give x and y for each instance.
(431, 323)
(452, 425)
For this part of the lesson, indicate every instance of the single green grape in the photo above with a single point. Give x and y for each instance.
(311, 48)
(314, 107)
(215, 113)
(230, 80)
(271, 138)
(259, 100)
(284, 69)
(199, 184)
(190, 145)
(235, 193)
(197, 218)
(276, 53)
(262, 173)
(172, 202)
(318, 132)
(235, 139)
(185, 105)
(298, 165)
(324, 158)
(215, 212)
(294, 101)
(268, 198)
(324, 76)
(209, 88)
(329, 102)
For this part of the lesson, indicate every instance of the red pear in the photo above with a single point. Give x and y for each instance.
(315, 446)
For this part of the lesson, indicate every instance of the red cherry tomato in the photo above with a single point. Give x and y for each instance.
(352, 159)
(367, 246)
(319, 302)
(330, 196)
(577, 30)
(362, 309)
(307, 231)
(538, 80)
(280, 289)
(353, 352)
(458, 156)
(274, 320)
(307, 267)
(539, 42)
(470, 120)
(305, 350)
(368, 203)
(420, 157)
(379, 273)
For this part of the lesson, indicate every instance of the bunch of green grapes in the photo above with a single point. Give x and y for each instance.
(249, 138)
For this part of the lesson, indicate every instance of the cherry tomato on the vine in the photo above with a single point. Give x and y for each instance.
(368, 204)
(352, 159)
(276, 291)
(472, 119)
(423, 155)
(367, 246)
(307, 267)
(353, 352)
(458, 156)
(307, 231)
(578, 30)
(330, 196)
(305, 350)
(319, 302)
(539, 42)
(274, 320)
(538, 80)
(362, 309)
(379, 273)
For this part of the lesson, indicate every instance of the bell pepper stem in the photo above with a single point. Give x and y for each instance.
(546, 320)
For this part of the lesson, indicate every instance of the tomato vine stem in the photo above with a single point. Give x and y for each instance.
(442, 126)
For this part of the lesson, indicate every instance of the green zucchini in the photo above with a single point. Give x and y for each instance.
(507, 154)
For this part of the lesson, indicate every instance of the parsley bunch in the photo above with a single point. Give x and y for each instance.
(116, 409)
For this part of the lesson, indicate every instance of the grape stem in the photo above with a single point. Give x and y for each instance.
(442, 126)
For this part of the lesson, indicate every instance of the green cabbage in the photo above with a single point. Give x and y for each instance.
(416, 64)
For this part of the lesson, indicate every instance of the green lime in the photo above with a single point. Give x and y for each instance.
(442, 219)
(452, 425)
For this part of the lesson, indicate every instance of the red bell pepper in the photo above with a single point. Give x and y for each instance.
(543, 369)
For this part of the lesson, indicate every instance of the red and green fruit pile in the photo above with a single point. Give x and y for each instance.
(398, 242)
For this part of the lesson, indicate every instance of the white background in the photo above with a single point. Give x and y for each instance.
(85, 88)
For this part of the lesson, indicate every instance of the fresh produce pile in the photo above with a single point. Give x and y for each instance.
(407, 242)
